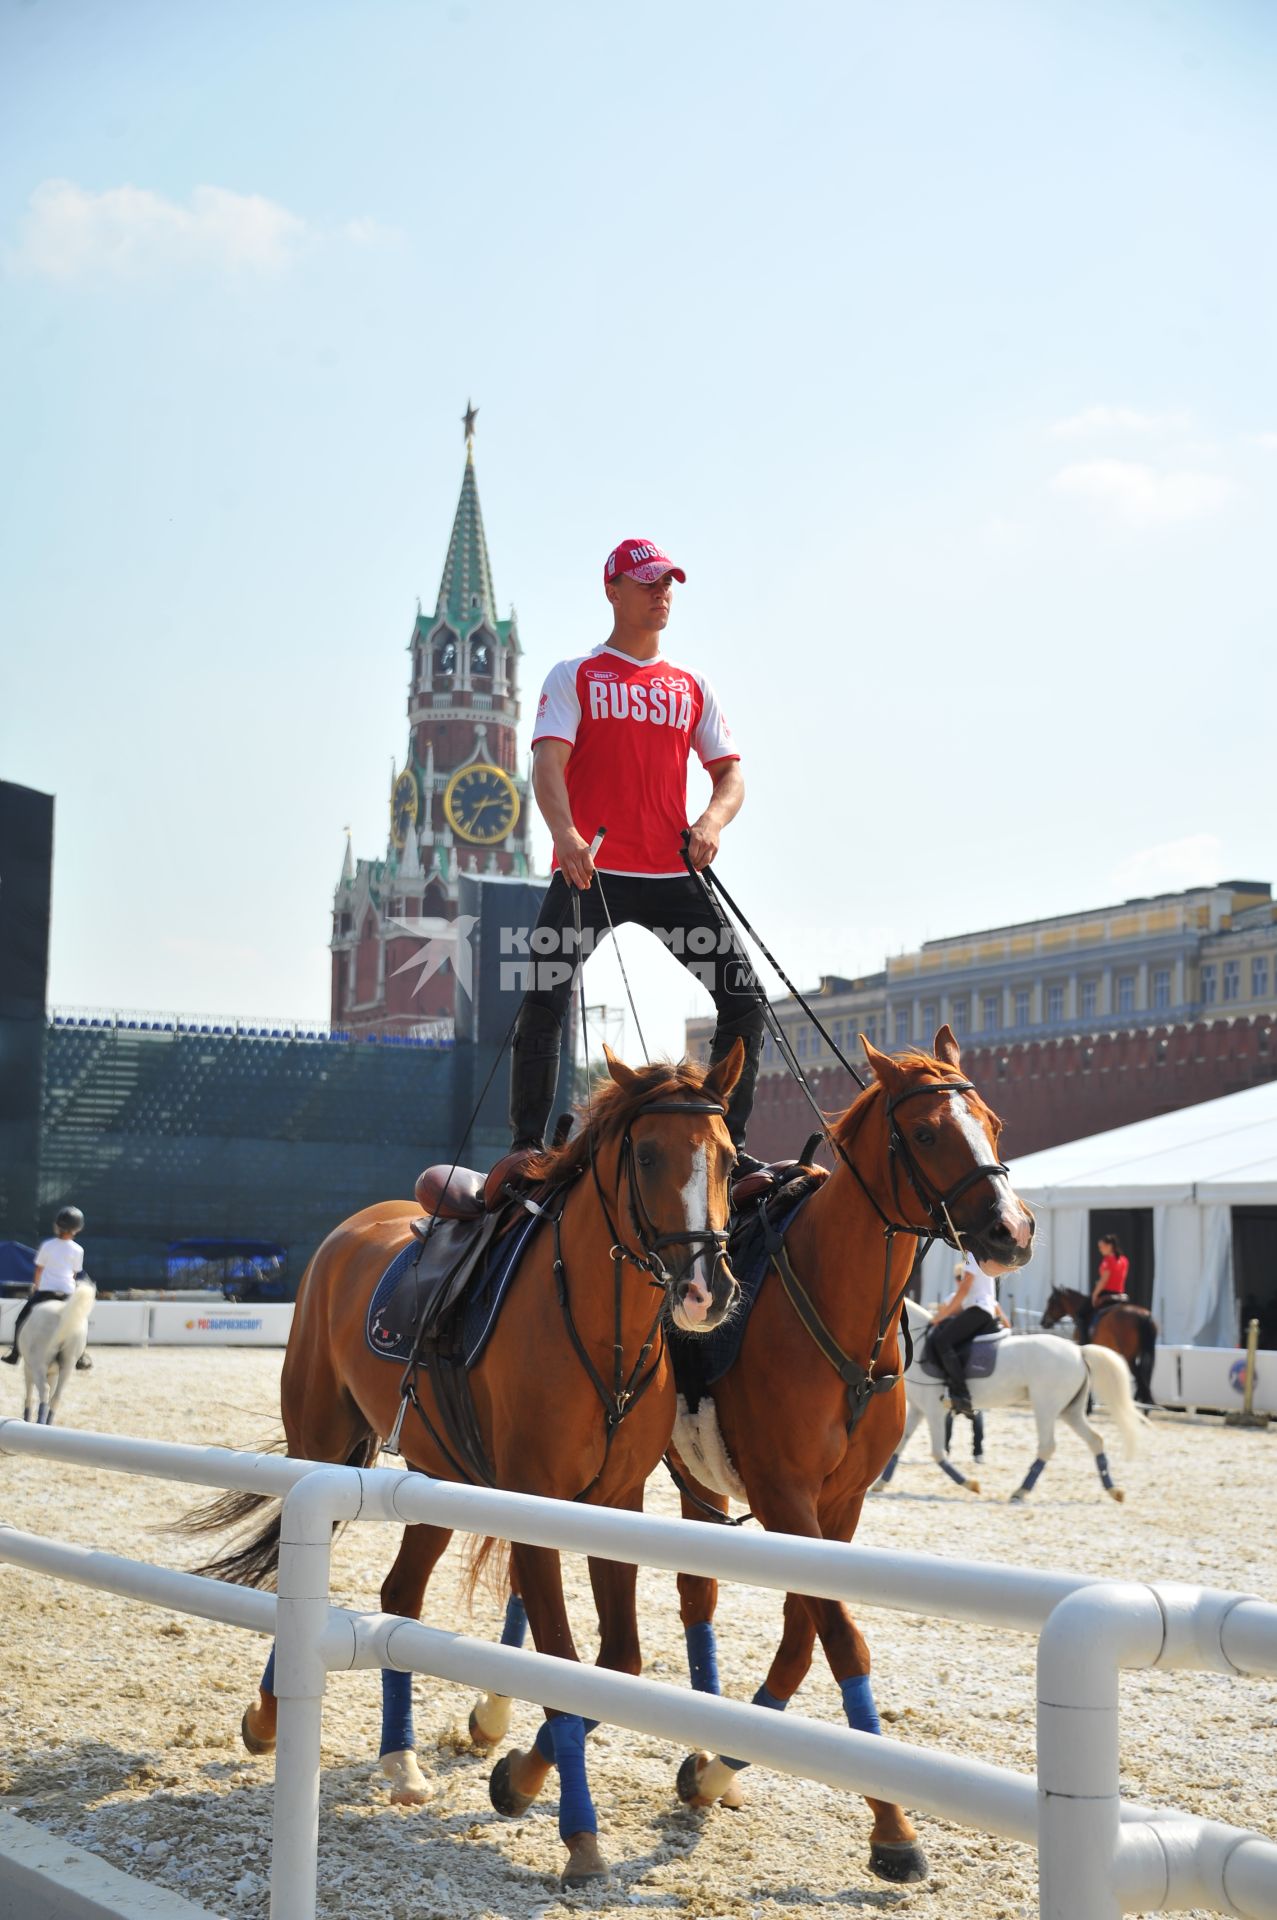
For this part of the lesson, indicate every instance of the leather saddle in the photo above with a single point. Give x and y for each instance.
(462, 1193)
(979, 1360)
(762, 1182)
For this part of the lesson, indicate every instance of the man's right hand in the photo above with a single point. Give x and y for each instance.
(575, 861)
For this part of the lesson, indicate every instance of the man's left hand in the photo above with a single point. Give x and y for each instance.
(702, 842)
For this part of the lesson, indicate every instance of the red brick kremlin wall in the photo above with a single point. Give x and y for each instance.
(1050, 1091)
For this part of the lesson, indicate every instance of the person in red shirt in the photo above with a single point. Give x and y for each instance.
(1114, 1267)
(610, 748)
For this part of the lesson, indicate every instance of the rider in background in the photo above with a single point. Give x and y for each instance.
(58, 1265)
(977, 1418)
(971, 1309)
(1110, 1288)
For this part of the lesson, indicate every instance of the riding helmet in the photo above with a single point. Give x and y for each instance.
(70, 1218)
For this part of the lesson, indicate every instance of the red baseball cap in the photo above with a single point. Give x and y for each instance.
(642, 560)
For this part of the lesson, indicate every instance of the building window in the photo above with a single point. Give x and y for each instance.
(802, 1043)
(902, 1026)
(992, 1012)
(961, 1016)
(1208, 986)
(1054, 1005)
(1022, 1006)
(929, 1019)
(1259, 976)
(836, 1031)
(871, 1030)
(1090, 998)
(1161, 989)
(769, 1049)
(1126, 993)
(1232, 979)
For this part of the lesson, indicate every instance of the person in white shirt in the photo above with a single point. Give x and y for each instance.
(58, 1264)
(971, 1309)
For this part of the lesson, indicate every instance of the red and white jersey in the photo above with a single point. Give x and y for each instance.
(631, 725)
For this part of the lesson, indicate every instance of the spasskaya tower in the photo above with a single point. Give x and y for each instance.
(458, 804)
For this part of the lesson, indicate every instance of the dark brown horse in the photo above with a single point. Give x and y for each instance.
(1128, 1330)
(779, 1429)
(649, 1173)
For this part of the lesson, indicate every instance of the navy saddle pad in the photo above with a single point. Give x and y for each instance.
(395, 1308)
(979, 1360)
(702, 1358)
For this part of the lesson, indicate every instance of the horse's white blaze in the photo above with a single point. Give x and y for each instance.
(695, 1303)
(973, 1133)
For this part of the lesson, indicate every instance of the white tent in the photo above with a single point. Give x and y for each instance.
(1191, 1167)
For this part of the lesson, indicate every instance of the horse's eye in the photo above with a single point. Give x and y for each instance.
(924, 1137)
(646, 1158)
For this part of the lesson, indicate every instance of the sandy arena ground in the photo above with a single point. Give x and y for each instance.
(119, 1725)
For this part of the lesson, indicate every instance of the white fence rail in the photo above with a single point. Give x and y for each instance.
(1098, 1856)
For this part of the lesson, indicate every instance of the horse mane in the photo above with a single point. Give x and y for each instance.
(609, 1109)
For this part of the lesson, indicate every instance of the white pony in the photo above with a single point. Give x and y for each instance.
(1053, 1375)
(52, 1340)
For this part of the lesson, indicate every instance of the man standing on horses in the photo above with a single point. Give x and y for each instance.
(971, 1309)
(613, 733)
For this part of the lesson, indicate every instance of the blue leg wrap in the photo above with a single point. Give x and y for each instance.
(1032, 1477)
(858, 1701)
(761, 1699)
(544, 1742)
(576, 1809)
(515, 1630)
(396, 1711)
(702, 1657)
(889, 1469)
(947, 1466)
(1101, 1462)
(268, 1678)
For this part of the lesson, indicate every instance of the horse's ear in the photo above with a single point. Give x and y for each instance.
(946, 1049)
(723, 1075)
(885, 1068)
(625, 1077)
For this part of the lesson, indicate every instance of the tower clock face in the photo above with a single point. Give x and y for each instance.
(481, 804)
(403, 807)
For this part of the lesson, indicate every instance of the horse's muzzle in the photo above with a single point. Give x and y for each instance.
(697, 1308)
(1004, 1238)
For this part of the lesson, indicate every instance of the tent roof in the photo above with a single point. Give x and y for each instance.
(1220, 1152)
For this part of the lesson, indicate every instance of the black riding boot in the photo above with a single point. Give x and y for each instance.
(534, 1074)
(741, 1104)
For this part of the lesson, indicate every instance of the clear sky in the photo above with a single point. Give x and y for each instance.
(935, 341)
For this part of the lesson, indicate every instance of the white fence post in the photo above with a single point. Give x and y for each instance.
(301, 1619)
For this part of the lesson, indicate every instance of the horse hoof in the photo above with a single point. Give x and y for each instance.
(586, 1864)
(503, 1794)
(973, 1486)
(1017, 1498)
(250, 1739)
(408, 1785)
(1116, 1493)
(902, 1862)
(687, 1785)
(478, 1738)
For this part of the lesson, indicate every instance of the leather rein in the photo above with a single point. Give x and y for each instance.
(861, 1383)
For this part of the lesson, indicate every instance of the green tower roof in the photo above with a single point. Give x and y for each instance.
(466, 592)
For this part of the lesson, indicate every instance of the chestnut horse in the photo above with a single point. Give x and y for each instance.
(1128, 1330)
(917, 1152)
(646, 1178)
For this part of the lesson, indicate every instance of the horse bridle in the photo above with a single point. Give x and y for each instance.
(935, 1204)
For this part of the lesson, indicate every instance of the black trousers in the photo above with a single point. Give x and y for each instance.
(950, 1341)
(678, 913)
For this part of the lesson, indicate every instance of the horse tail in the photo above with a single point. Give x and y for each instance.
(254, 1563)
(1111, 1379)
(487, 1561)
(74, 1316)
